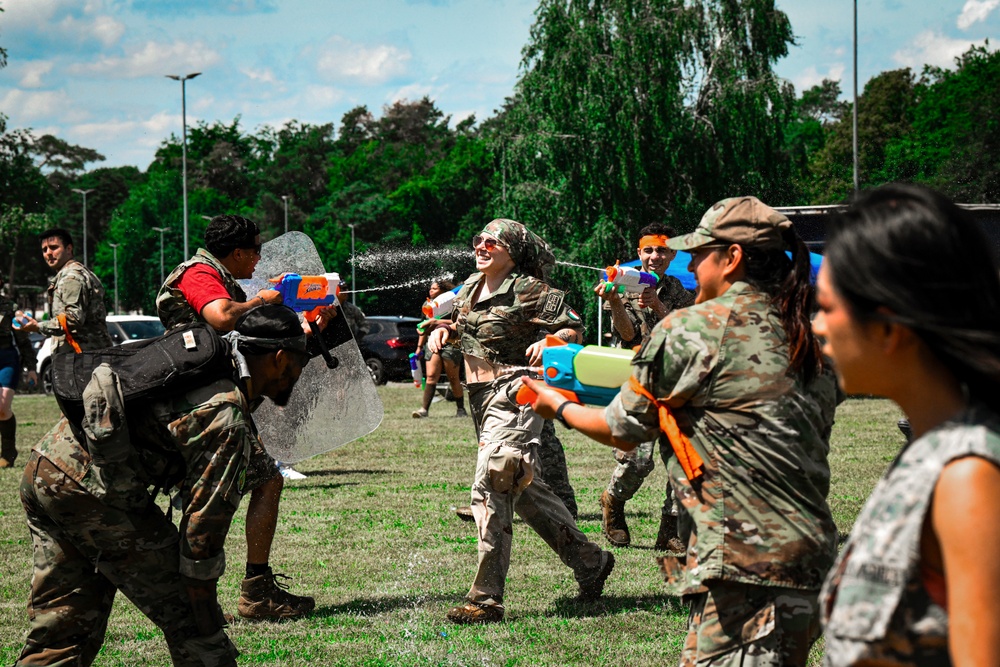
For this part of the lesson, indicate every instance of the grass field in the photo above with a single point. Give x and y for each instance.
(371, 535)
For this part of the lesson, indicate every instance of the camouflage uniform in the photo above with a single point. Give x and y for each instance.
(79, 295)
(175, 311)
(876, 605)
(634, 466)
(756, 523)
(552, 460)
(499, 329)
(95, 529)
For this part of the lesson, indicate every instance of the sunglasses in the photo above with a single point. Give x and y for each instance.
(489, 243)
(255, 248)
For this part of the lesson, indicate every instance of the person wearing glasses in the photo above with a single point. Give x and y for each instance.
(502, 313)
(205, 289)
(909, 301)
(738, 386)
(633, 317)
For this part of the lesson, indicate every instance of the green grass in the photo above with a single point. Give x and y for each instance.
(371, 535)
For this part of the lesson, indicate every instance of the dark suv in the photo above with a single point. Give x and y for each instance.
(387, 346)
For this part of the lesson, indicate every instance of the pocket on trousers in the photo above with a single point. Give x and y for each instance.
(508, 471)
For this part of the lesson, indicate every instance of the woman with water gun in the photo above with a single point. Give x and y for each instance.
(737, 385)
(15, 352)
(501, 315)
(448, 357)
(910, 309)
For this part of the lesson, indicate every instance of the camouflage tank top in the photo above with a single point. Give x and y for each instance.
(875, 604)
(171, 306)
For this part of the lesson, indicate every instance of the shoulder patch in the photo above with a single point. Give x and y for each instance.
(553, 304)
(573, 315)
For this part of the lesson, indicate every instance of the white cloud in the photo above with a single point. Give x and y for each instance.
(148, 133)
(29, 107)
(261, 75)
(32, 73)
(412, 93)
(931, 48)
(975, 11)
(64, 21)
(811, 76)
(319, 97)
(153, 59)
(341, 60)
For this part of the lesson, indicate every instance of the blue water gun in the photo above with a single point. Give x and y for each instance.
(309, 295)
(582, 373)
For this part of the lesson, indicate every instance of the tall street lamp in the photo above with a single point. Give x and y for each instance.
(184, 173)
(114, 249)
(161, 230)
(285, 198)
(354, 287)
(84, 193)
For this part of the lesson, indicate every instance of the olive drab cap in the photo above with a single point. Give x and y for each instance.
(529, 251)
(744, 220)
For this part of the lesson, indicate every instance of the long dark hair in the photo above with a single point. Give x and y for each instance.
(911, 251)
(787, 280)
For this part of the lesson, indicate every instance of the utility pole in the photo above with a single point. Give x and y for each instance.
(84, 193)
(184, 173)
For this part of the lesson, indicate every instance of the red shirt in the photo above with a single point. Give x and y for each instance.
(201, 285)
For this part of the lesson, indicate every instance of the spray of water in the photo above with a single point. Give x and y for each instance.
(399, 259)
(580, 266)
(410, 283)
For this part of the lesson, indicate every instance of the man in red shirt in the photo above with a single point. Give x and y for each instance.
(205, 289)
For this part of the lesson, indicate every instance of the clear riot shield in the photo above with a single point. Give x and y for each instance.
(329, 407)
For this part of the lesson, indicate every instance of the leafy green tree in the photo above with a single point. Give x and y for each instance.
(633, 111)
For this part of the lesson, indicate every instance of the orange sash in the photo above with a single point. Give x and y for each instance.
(689, 459)
(61, 317)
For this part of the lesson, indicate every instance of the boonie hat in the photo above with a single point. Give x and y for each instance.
(744, 220)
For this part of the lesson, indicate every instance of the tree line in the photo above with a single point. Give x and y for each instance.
(624, 112)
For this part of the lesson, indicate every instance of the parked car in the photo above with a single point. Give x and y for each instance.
(387, 346)
(122, 328)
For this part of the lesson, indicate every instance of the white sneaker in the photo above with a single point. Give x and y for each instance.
(288, 472)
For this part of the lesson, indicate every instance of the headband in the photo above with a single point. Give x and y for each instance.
(654, 240)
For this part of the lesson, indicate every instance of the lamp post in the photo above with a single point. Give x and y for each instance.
(285, 198)
(161, 230)
(184, 173)
(84, 193)
(114, 249)
(854, 134)
(354, 287)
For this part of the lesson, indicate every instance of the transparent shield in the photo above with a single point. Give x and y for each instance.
(329, 407)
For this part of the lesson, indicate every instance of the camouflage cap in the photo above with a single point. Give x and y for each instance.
(529, 251)
(744, 220)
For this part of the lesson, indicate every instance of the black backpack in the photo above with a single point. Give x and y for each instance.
(178, 361)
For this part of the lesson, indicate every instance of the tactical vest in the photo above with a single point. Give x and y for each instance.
(171, 306)
(883, 611)
(92, 333)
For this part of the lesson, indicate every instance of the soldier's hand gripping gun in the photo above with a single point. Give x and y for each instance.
(582, 373)
(310, 295)
(627, 279)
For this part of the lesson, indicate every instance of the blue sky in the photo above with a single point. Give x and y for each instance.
(92, 71)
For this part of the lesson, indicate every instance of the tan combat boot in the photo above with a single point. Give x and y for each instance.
(667, 539)
(613, 521)
(264, 597)
(471, 613)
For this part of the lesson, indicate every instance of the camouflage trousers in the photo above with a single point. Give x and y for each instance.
(507, 482)
(632, 470)
(552, 460)
(741, 625)
(84, 552)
